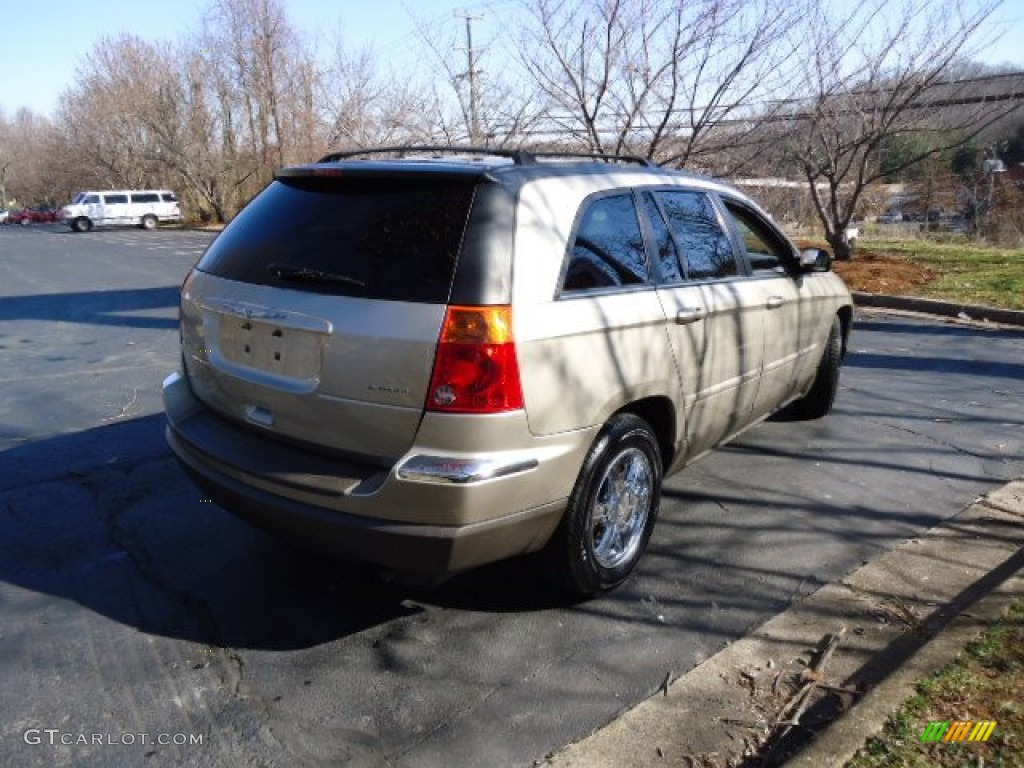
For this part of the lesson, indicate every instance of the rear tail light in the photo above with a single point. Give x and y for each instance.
(476, 370)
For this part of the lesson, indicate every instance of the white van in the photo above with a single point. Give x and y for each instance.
(142, 207)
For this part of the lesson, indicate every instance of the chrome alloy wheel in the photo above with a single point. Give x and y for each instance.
(621, 507)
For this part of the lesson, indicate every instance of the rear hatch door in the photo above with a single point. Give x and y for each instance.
(315, 315)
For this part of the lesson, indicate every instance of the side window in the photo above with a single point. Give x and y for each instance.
(667, 253)
(169, 197)
(707, 250)
(114, 199)
(145, 197)
(766, 250)
(608, 249)
(91, 200)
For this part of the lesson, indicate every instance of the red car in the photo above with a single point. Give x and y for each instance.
(41, 215)
(18, 216)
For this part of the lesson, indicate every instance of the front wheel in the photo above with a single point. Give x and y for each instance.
(611, 511)
(81, 224)
(818, 402)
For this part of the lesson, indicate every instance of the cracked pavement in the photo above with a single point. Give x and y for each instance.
(129, 605)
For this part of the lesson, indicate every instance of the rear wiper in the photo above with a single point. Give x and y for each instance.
(306, 275)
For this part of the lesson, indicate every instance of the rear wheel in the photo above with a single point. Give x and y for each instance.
(149, 221)
(611, 511)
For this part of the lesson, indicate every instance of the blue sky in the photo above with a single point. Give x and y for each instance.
(40, 46)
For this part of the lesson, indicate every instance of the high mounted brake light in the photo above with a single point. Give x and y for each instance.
(476, 370)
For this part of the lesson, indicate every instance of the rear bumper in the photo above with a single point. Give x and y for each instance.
(314, 501)
(421, 549)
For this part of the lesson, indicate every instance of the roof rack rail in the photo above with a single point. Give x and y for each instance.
(518, 156)
(597, 156)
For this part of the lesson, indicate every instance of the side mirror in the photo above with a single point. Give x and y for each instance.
(815, 260)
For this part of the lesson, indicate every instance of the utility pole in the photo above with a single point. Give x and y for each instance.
(474, 82)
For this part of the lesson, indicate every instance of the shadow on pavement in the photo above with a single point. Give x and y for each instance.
(112, 307)
(932, 328)
(992, 368)
(106, 519)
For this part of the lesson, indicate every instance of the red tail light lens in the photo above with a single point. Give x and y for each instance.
(476, 370)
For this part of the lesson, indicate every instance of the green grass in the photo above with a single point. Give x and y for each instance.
(986, 682)
(968, 272)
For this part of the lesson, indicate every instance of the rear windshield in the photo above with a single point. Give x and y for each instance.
(392, 239)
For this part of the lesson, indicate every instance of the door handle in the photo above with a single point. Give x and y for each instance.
(688, 315)
(774, 302)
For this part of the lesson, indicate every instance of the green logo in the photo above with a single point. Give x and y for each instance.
(958, 730)
(935, 731)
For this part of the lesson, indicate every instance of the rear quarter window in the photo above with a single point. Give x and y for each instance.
(608, 248)
(380, 238)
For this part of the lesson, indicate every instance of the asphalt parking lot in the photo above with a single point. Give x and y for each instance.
(130, 606)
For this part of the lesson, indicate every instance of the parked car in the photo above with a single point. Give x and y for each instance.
(138, 207)
(890, 217)
(19, 216)
(431, 364)
(3, 215)
(45, 214)
(957, 223)
(40, 215)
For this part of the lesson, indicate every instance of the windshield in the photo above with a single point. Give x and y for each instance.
(393, 238)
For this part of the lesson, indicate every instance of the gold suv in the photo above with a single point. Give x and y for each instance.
(449, 357)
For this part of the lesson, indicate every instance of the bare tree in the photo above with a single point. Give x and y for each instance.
(654, 78)
(33, 169)
(127, 121)
(365, 104)
(6, 157)
(124, 122)
(885, 71)
(269, 74)
(480, 93)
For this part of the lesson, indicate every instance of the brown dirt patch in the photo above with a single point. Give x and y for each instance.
(873, 272)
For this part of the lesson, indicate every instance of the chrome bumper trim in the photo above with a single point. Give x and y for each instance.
(444, 470)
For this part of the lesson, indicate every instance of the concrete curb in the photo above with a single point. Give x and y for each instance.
(940, 308)
(906, 613)
(844, 738)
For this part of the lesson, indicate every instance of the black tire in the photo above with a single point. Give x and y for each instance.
(81, 224)
(148, 221)
(623, 466)
(818, 402)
